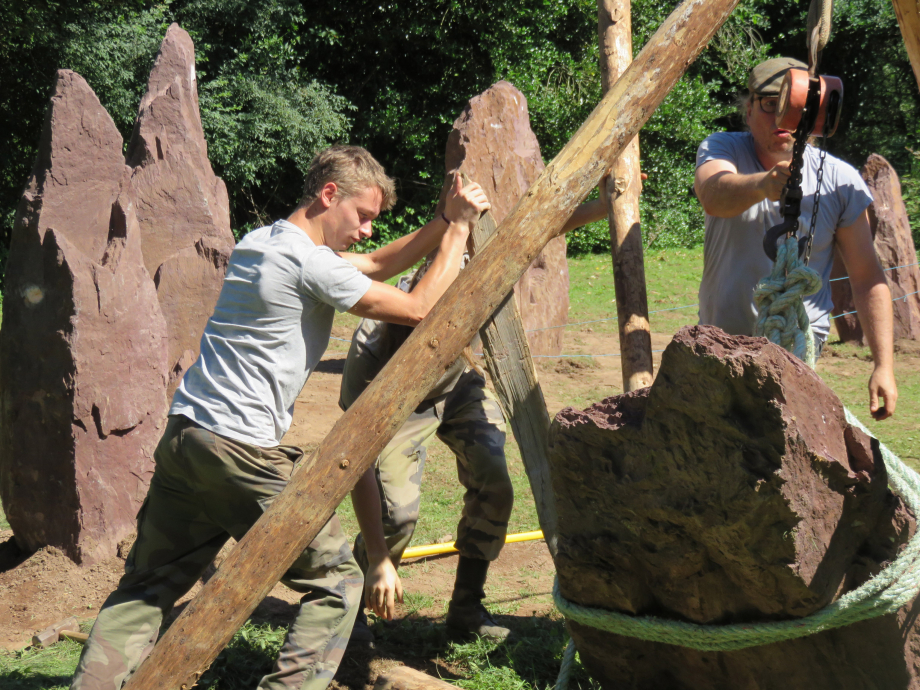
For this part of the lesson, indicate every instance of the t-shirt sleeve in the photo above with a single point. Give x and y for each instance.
(718, 146)
(333, 280)
(854, 195)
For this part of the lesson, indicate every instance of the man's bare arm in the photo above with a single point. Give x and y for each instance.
(725, 193)
(400, 254)
(407, 251)
(382, 586)
(873, 306)
(383, 302)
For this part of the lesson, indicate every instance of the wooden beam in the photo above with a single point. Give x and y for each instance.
(507, 356)
(260, 559)
(908, 12)
(623, 188)
(405, 678)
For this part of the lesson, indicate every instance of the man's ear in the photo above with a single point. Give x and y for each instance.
(327, 194)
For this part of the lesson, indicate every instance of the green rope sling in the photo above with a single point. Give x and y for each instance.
(782, 319)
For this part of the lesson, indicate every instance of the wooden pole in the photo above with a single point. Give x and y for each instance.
(260, 559)
(405, 678)
(507, 356)
(623, 188)
(908, 12)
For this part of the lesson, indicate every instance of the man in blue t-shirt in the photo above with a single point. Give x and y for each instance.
(739, 179)
(220, 461)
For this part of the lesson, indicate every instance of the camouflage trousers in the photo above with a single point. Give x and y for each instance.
(469, 421)
(205, 489)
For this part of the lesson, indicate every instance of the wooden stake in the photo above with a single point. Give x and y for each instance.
(405, 678)
(908, 12)
(507, 356)
(623, 188)
(260, 559)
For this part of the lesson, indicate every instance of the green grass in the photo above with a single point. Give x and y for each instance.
(530, 663)
(442, 497)
(247, 658)
(848, 376)
(41, 669)
(672, 278)
(240, 666)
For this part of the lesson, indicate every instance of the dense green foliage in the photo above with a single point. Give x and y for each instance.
(279, 79)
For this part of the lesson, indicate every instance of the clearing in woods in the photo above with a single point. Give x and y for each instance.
(40, 590)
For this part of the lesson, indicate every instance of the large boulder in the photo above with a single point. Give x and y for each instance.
(732, 490)
(83, 342)
(182, 206)
(894, 246)
(492, 143)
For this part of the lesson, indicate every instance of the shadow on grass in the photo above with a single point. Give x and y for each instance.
(23, 680)
(529, 660)
(39, 669)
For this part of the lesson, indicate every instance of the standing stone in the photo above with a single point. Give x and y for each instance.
(732, 490)
(83, 342)
(894, 246)
(492, 143)
(182, 206)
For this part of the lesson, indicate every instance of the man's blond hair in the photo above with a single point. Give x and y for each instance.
(353, 169)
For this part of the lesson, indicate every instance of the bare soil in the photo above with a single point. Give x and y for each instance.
(40, 589)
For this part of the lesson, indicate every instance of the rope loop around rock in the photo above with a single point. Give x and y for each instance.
(781, 311)
(893, 587)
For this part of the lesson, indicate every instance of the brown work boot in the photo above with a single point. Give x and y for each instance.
(361, 633)
(470, 617)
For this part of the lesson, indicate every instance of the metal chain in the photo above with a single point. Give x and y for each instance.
(795, 170)
(814, 214)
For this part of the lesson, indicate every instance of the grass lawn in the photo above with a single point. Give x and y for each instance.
(673, 277)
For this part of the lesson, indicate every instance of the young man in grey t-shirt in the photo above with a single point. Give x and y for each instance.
(220, 462)
(739, 179)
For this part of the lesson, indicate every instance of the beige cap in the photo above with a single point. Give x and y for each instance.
(765, 78)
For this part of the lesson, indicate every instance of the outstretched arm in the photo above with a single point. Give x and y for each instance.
(400, 255)
(726, 193)
(386, 303)
(382, 586)
(873, 306)
(590, 211)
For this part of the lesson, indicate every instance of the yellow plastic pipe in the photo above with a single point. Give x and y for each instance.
(436, 549)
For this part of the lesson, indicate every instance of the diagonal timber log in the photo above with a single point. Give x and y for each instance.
(248, 574)
(507, 355)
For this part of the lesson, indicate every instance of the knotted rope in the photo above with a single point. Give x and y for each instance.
(781, 315)
(893, 587)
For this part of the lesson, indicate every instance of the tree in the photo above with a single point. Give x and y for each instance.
(279, 79)
(264, 114)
